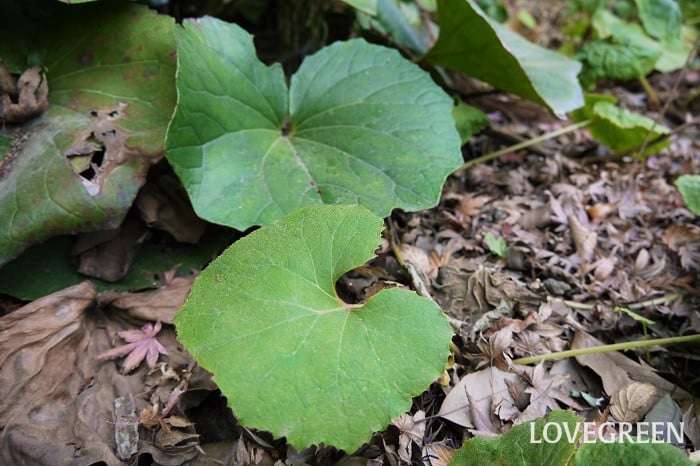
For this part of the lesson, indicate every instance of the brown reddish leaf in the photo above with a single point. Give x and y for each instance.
(142, 344)
(471, 204)
(599, 212)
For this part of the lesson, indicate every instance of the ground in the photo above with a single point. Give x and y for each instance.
(596, 249)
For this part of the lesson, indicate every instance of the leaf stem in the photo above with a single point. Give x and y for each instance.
(607, 348)
(523, 145)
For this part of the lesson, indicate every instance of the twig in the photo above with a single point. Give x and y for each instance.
(523, 145)
(607, 348)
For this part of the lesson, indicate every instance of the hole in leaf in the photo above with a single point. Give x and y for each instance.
(360, 284)
(96, 160)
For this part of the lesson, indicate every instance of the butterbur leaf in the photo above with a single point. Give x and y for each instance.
(552, 441)
(661, 19)
(110, 68)
(618, 128)
(359, 124)
(289, 355)
(630, 453)
(524, 444)
(621, 50)
(472, 43)
(689, 186)
(469, 120)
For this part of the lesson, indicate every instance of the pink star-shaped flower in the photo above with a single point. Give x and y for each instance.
(142, 344)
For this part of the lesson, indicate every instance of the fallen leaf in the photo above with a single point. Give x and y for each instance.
(584, 240)
(633, 401)
(142, 344)
(477, 394)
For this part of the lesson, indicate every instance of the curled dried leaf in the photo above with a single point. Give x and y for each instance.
(633, 401)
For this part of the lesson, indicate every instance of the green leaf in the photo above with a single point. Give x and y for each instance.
(605, 60)
(630, 454)
(110, 69)
(365, 6)
(689, 186)
(622, 50)
(525, 444)
(469, 120)
(472, 43)
(394, 21)
(661, 19)
(45, 268)
(365, 126)
(288, 354)
(497, 245)
(552, 441)
(618, 128)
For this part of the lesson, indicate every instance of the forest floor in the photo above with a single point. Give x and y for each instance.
(555, 247)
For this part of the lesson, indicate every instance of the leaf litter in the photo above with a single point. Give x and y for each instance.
(586, 234)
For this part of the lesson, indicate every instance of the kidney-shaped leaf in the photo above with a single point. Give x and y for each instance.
(618, 128)
(77, 167)
(359, 124)
(472, 43)
(288, 354)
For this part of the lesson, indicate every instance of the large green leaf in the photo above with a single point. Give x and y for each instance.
(110, 69)
(525, 444)
(359, 124)
(630, 453)
(618, 128)
(476, 45)
(552, 441)
(288, 354)
(661, 19)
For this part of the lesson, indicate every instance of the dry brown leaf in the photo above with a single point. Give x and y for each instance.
(411, 430)
(163, 204)
(599, 212)
(52, 387)
(476, 396)
(25, 100)
(471, 204)
(437, 454)
(584, 240)
(633, 401)
(154, 305)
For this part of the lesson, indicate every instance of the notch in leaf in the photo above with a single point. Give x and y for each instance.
(289, 355)
(359, 124)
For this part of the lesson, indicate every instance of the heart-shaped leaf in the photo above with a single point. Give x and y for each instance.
(474, 44)
(618, 128)
(110, 69)
(359, 124)
(523, 444)
(288, 354)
